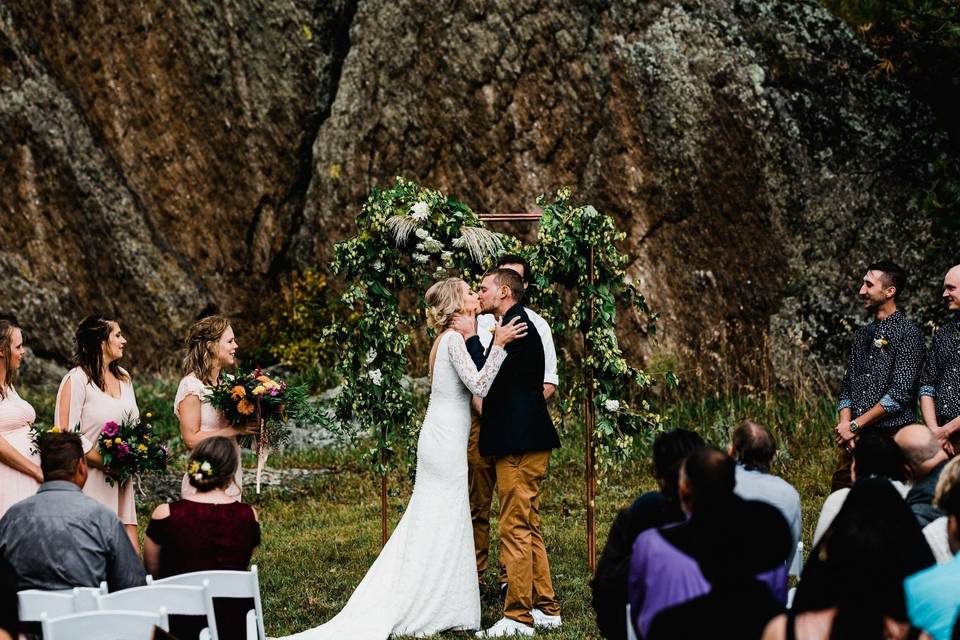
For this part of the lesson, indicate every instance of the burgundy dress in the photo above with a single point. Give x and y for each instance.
(197, 536)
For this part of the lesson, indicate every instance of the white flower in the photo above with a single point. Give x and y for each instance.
(420, 211)
(205, 467)
(446, 256)
(423, 234)
(422, 258)
(612, 406)
(432, 245)
(377, 265)
(371, 356)
(376, 377)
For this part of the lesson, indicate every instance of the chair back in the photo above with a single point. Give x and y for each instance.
(184, 600)
(104, 625)
(84, 600)
(631, 633)
(796, 568)
(224, 584)
(35, 602)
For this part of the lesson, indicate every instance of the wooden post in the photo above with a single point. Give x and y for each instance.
(589, 426)
(383, 489)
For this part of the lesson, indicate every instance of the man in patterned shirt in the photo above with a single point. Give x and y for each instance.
(879, 389)
(940, 380)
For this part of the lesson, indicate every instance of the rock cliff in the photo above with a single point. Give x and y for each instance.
(161, 160)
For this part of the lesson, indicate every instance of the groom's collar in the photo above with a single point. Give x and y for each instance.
(515, 310)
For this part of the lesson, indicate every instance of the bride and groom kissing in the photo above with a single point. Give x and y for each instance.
(425, 579)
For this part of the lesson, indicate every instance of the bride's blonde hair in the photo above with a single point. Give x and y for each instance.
(444, 299)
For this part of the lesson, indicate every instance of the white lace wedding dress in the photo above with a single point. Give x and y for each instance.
(425, 579)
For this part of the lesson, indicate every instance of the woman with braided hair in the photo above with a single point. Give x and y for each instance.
(210, 348)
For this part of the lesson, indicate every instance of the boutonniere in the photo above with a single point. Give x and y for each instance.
(880, 343)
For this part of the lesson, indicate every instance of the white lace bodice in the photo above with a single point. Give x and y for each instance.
(454, 373)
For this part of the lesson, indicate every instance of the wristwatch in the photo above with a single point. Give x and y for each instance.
(854, 427)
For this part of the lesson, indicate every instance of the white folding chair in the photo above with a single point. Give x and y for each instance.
(104, 625)
(176, 599)
(227, 584)
(631, 634)
(796, 568)
(36, 602)
(83, 598)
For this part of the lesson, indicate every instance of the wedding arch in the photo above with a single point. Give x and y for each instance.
(408, 236)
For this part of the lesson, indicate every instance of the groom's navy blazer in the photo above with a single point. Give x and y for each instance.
(515, 417)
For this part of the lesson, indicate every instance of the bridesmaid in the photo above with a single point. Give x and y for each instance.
(93, 393)
(210, 347)
(20, 475)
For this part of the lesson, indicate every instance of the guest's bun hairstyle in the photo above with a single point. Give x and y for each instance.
(88, 341)
(510, 279)
(7, 327)
(213, 464)
(444, 299)
(200, 346)
(60, 453)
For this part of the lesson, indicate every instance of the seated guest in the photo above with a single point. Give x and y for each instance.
(752, 538)
(61, 538)
(925, 460)
(208, 530)
(875, 456)
(662, 571)
(852, 584)
(650, 510)
(753, 448)
(933, 595)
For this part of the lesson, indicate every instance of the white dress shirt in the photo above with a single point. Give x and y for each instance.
(487, 321)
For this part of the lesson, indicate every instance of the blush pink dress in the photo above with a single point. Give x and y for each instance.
(91, 408)
(211, 419)
(16, 416)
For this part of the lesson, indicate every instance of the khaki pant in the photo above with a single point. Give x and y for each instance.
(522, 550)
(481, 479)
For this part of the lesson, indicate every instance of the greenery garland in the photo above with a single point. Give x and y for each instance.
(566, 238)
(408, 237)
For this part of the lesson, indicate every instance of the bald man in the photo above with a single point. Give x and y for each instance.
(925, 461)
(940, 379)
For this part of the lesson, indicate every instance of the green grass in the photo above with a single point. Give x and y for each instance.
(319, 539)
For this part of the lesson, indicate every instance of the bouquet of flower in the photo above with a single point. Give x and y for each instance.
(37, 430)
(129, 449)
(255, 396)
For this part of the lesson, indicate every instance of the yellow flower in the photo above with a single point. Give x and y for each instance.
(142, 447)
(108, 443)
(149, 414)
(117, 440)
(193, 468)
(54, 429)
(259, 390)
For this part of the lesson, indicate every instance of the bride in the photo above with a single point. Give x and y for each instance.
(425, 579)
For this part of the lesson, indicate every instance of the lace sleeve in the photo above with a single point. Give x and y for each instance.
(478, 382)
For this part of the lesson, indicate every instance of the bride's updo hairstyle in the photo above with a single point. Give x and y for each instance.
(200, 347)
(444, 299)
(213, 464)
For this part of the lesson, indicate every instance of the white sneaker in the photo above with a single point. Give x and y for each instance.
(506, 627)
(540, 619)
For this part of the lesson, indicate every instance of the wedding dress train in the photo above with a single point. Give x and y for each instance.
(425, 579)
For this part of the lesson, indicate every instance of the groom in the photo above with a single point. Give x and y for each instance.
(516, 429)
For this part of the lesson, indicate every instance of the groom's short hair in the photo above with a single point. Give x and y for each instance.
(510, 279)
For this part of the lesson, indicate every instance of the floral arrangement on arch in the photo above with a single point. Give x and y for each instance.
(407, 237)
(625, 419)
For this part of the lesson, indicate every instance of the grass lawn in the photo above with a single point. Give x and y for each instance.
(319, 538)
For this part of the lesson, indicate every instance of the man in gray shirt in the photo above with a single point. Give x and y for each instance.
(61, 538)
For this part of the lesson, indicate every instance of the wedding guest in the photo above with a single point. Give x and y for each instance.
(209, 530)
(210, 348)
(61, 538)
(663, 572)
(96, 391)
(852, 584)
(878, 393)
(753, 447)
(876, 456)
(925, 461)
(940, 378)
(20, 473)
(652, 509)
(751, 538)
(932, 594)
